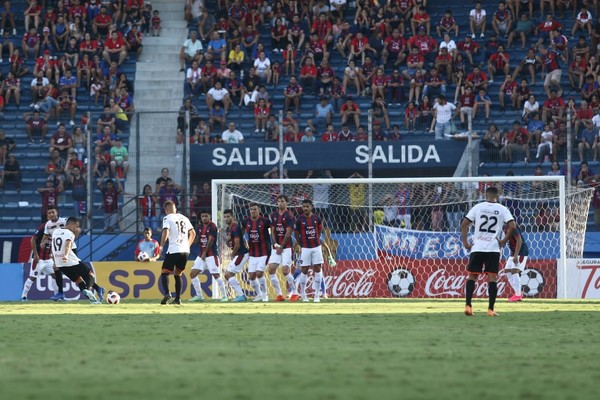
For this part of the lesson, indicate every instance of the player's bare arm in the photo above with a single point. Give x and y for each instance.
(518, 244)
(464, 230)
(36, 256)
(191, 236)
(211, 240)
(163, 238)
(509, 232)
(68, 245)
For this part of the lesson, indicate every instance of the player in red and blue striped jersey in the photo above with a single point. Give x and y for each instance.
(308, 229)
(259, 246)
(239, 253)
(516, 263)
(282, 227)
(208, 259)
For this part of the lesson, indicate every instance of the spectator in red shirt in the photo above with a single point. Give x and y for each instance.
(115, 49)
(584, 116)
(517, 139)
(467, 101)
(509, 89)
(33, 13)
(498, 62)
(292, 94)
(420, 19)
(345, 135)
(426, 44)
(350, 110)
(447, 25)
(323, 28)
(308, 75)
(410, 117)
(359, 46)
(478, 79)
(468, 48)
(395, 47)
(329, 135)
(577, 71)
(545, 30)
(553, 108)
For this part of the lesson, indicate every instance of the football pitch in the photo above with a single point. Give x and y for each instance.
(367, 349)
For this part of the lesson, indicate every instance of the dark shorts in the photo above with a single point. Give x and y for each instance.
(76, 271)
(175, 260)
(482, 262)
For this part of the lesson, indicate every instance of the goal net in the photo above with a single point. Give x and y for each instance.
(401, 237)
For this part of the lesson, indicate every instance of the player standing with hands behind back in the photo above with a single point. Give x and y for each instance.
(178, 230)
(308, 234)
(489, 217)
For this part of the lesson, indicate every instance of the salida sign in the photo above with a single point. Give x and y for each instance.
(303, 156)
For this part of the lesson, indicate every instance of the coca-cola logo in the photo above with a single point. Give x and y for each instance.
(350, 283)
(443, 283)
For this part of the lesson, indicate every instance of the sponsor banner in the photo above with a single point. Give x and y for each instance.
(583, 279)
(304, 156)
(447, 245)
(438, 279)
(42, 288)
(11, 282)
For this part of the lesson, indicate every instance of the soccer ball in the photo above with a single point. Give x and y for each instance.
(143, 256)
(401, 282)
(113, 298)
(532, 282)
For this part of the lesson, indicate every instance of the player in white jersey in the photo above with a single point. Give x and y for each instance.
(68, 262)
(178, 230)
(489, 218)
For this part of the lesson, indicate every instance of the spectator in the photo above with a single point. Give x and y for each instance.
(337, 93)
(425, 113)
(516, 140)
(544, 148)
(8, 19)
(443, 111)
(583, 21)
(261, 114)
(115, 49)
(49, 194)
(350, 111)
(492, 139)
(47, 65)
(194, 116)
(502, 20)
(56, 166)
(66, 103)
(551, 67)
(329, 135)
(79, 142)
(498, 62)
(478, 80)
(40, 87)
(217, 47)
(345, 135)
(530, 106)
(444, 60)
(308, 135)
(190, 51)
(216, 116)
(279, 36)
(36, 124)
(410, 117)
(272, 133)
(236, 59)
(380, 113)
(322, 114)
(262, 67)
(106, 119)
(523, 93)
(149, 246)
(220, 95)
(169, 192)
(110, 203)
(105, 141)
(77, 183)
(68, 83)
(193, 86)
(7, 145)
(555, 169)
(577, 71)
(477, 20)
(434, 84)
(293, 93)
(308, 75)
(553, 109)
(119, 164)
(11, 172)
(30, 44)
(466, 104)
(125, 101)
(61, 141)
(133, 41)
(482, 100)
(395, 85)
(148, 202)
(584, 117)
(232, 135)
(589, 141)
(531, 63)
(420, 19)
(447, 25)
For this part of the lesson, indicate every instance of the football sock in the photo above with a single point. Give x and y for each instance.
(26, 287)
(221, 284)
(291, 284)
(177, 286)
(275, 283)
(58, 277)
(469, 291)
(233, 282)
(196, 285)
(52, 285)
(262, 281)
(82, 286)
(302, 283)
(515, 282)
(96, 287)
(317, 284)
(256, 286)
(91, 282)
(323, 284)
(492, 292)
(164, 278)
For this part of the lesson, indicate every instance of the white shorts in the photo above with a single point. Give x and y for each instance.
(42, 268)
(510, 263)
(311, 256)
(257, 264)
(235, 268)
(284, 259)
(211, 263)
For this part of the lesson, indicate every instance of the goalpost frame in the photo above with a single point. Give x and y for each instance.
(561, 263)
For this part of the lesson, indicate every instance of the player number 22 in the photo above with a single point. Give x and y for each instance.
(492, 221)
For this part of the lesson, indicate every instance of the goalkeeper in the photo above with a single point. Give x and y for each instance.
(516, 263)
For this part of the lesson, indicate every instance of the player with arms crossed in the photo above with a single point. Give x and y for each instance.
(178, 230)
(239, 253)
(308, 234)
(68, 262)
(208, 258)
(489, 217)
(519, 251)
(259, 248)
(282, 227)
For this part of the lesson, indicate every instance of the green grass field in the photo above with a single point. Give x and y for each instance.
(399, 349)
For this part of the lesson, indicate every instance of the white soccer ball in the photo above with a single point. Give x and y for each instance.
(113, 298)
(143, 256)
(532, 282)
(401, 282)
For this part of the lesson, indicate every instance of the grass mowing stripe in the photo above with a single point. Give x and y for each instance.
(332, 350)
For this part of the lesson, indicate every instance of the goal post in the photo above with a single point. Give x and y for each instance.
(400, 237)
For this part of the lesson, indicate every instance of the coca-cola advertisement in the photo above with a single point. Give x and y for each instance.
(409, 278)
